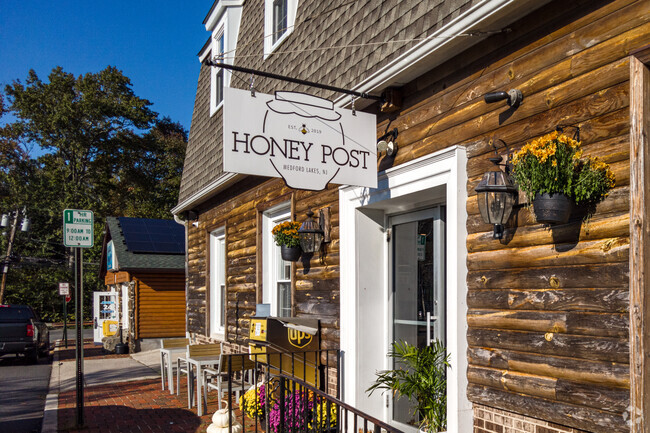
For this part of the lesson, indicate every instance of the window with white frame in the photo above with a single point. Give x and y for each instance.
(279, 19)
(276, 286)
(219, 56)
(218, 75)
(223, 24)
(217, 306)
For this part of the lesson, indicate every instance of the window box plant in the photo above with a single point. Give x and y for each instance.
(420, 375)
(553, 174)
(286, 237)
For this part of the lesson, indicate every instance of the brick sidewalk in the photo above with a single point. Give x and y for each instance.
(137, 406)
(133, 407)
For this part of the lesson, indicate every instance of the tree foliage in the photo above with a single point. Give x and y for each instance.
(105, 149)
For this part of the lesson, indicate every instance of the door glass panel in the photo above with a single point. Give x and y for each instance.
(418, 287)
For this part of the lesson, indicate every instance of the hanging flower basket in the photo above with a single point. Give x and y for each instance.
(555, 176)
(552, 208)
(290, 254)
(286, 237)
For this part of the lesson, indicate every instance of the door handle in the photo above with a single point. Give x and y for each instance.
(430, 318)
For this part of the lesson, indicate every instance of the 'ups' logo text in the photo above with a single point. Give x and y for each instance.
(299, 339)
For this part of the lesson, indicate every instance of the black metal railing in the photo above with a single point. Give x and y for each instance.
(291, 392)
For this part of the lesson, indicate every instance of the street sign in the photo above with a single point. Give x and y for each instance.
(78, 228)
(67, 299)
(64, 289)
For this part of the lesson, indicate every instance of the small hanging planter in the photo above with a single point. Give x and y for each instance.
(554, 163)
(290, 254)
(286, 237)
(552, 208)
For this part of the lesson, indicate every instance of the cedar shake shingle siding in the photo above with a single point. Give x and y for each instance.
(359, 23)
(203, 163)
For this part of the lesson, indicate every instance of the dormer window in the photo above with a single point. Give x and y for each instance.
(223, 22)
(279, 19)
(219, 57)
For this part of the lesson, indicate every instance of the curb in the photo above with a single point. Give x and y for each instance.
(50, 411)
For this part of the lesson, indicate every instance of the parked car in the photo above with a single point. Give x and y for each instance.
(23, 332)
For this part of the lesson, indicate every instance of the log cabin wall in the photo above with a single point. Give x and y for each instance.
(314, 284)
(548, 308)
(160, 305)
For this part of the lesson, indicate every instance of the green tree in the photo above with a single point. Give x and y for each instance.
(106, 151)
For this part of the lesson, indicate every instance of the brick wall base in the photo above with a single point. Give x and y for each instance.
(491, 420)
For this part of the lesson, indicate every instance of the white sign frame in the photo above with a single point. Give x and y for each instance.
(78, 228)
(301, 138)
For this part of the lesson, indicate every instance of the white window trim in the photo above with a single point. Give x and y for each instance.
(217, 268)
(292, 9)
(221, 29)
(358, 206)
(271, 253)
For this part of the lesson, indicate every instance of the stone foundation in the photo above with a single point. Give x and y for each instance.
(491, 420)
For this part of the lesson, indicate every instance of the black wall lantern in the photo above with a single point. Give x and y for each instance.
(312, 233)
(496, 195)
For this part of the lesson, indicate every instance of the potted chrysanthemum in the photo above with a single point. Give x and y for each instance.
(286, 237)
(553, 174)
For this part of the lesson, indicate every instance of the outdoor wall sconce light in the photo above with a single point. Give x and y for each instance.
(496, 195)
(513, 97)
(386, 143)
(312, 234)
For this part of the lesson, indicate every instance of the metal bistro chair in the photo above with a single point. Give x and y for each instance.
(242, 372)
(167, 348)
(186, 364)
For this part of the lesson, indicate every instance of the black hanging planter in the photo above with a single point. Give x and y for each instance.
(552, 208)
(290, 254)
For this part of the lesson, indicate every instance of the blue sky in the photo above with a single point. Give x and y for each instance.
(154, 43)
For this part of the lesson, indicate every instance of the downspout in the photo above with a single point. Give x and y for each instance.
(184, 224)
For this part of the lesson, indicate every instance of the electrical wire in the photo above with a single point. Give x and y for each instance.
(366, 44)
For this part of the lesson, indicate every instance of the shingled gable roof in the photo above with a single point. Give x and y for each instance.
(129, 261)
(380, 43)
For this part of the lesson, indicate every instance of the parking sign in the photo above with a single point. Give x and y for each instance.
(78, 228)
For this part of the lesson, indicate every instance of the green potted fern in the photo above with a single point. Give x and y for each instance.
(420, 375)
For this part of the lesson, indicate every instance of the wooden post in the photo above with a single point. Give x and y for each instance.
(639, 246)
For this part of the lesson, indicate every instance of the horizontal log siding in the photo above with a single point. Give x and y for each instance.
(316, 292)
(160, 305)
(548, 308)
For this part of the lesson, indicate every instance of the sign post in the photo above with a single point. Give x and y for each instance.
(78, 233)
(64, 290)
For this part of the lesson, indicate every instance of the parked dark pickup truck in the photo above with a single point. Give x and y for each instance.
(21, 331)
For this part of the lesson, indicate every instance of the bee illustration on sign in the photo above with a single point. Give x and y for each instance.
(299, 339)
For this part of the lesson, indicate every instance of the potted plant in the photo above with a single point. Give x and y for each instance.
(420, 375)
(286, 237)
(553, 174)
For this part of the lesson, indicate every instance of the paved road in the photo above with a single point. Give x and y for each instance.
(22, 393)
(57, 334)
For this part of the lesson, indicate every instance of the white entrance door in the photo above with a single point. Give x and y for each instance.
(417, 299)
(104, 308)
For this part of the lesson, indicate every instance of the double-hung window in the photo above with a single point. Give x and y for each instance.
(276, 285)
(223, 24)
(219, 56)
(217, 306)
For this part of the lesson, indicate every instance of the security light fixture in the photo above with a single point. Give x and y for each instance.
(513, 97)
(496, 194)
(311, 234)
(386, 143)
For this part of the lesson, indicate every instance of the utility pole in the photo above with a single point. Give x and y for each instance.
(5, 267)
